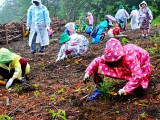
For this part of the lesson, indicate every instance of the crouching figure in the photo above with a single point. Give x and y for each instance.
(13, 67)
(73, 45)
(129, 62)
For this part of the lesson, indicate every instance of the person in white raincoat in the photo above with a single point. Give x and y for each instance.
(38, 22)
(145, 19)
(134, 18)
(121, 17)
(74, 45)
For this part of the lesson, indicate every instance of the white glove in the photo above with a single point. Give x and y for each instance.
(86, 78)
(121, 92)
(9, 83)
(63, 56)
(47, 27)
(27, 28)
(58, 59)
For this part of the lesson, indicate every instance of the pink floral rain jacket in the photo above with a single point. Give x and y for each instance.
(90, 18)
(134, 67)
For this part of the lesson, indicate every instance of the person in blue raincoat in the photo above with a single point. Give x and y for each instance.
(98, 31)
(38, 22)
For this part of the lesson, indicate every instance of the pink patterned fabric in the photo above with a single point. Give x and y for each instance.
(134, 67)
(90, 19)
(113, 51)
(50, 31)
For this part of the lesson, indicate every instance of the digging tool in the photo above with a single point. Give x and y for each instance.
(121, 35)
(2, 82)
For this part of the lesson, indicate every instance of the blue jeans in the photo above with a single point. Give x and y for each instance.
(33, 44)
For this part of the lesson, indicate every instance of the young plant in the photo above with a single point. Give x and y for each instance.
(53, 97)
(18, 89)
(61, 114)
(105, 88)
(36, 86)
(5, 117)
(143, 115)
(36, 93)
(125, 40)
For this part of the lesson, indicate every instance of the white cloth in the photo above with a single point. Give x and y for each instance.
(134, 19)
(42, 35)
(122, 13)
(110, 33)
(86, 76)
(71, 27)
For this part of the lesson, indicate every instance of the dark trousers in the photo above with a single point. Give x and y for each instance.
(33, 44)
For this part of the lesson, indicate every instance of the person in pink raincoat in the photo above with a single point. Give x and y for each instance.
(90, 18)
(128, 62)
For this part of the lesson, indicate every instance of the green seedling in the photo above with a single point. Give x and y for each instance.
(36, 86)
(62, 99)
(5, 117)
(88, 87)
(105, 88)
(36, 93)
(124, 40)
(61, 114)
(143, 115)
(18, 89)
(53, 97)
(62, 90)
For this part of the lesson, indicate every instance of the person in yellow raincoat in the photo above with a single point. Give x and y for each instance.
(13, 66)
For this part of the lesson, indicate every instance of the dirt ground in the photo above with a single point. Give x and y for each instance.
(58, 86)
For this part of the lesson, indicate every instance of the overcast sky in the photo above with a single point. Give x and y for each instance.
(2, 1)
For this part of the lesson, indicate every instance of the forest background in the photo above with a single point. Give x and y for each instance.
(72, 10)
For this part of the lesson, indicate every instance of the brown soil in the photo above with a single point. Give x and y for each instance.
(60, 87)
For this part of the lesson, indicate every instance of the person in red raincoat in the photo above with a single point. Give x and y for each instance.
(114, 32)
(129, 62)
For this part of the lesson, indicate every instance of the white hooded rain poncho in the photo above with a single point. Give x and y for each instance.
(38, 21)
(77, 45)
(134, 19)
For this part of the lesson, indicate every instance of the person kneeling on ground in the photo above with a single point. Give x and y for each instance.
(74, 45)
(114, 32)
(128, 62)
(12, 66)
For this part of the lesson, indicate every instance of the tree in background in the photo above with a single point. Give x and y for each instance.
(72, 10)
